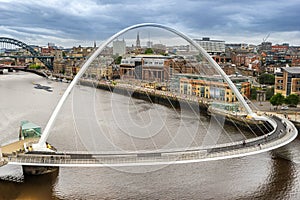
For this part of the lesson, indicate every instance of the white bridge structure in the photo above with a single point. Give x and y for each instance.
(283, 132)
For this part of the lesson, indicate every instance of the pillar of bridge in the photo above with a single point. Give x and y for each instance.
(39, 170)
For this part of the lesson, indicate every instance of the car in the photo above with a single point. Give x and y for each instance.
(284, 108)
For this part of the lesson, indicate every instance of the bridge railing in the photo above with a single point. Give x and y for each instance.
(129, 160)
(283, 136)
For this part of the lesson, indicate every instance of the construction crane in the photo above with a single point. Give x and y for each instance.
(265, 38)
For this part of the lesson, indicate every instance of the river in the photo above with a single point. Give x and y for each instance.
(96, 120)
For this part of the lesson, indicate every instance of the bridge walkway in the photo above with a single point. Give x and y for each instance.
(281, 136)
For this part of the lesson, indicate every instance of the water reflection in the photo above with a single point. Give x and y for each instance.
(279, 183)
(28, 187)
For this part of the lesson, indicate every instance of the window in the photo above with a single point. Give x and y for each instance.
(279, 87)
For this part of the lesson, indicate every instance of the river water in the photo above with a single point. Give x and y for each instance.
(96, 120)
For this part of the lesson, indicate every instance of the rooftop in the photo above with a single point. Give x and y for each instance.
(28, 125)
(292, 70)
(150, 56)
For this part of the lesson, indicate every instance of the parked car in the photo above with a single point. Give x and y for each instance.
(284, 108)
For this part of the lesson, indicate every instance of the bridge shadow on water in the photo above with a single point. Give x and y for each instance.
(29, 186)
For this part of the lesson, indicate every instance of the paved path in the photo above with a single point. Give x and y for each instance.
(292, 114)
(283, 134)
(17, 146)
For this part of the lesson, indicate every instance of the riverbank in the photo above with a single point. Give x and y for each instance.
(265, 108)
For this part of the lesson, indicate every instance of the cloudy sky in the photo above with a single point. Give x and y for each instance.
(72, 22)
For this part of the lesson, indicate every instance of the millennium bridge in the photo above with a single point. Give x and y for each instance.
(279, 132)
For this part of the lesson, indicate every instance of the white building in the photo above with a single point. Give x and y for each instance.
(211, 46)
(119, 47)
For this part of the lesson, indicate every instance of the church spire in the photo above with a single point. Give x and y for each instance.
(138, 42)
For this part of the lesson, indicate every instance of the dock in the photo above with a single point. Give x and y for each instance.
(16, 147)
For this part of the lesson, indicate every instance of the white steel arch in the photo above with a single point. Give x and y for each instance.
(41, 144)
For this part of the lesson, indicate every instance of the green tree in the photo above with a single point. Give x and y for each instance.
(277, 99)
(149, 51)
(34, 66)
(292, 100)
(253, 93)
(268, 79)
(269, 93)
(118, 60)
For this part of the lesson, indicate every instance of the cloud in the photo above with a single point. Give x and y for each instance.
(76, 20)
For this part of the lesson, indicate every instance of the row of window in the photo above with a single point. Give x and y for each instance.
(155, 63)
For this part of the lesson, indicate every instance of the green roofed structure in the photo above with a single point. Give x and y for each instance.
(29, 130)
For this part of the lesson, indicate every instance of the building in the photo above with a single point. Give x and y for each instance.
(287, 81)
(119, 47)
(266, 46)
(229, 69)
(280, 48)
(80, 51)
(211, 46)
(156, 68)
(145, 67)
(212, 87)
(138, 42)
(149, 44)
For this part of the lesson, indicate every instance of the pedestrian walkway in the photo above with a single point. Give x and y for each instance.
(292, 116)
(17, 146)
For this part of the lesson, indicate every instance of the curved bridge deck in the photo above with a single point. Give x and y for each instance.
(284, 133)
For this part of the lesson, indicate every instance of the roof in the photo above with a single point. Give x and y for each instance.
(151, 56)
(292, 70)
(28, 125)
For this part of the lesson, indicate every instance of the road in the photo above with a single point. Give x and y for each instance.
(265, 107)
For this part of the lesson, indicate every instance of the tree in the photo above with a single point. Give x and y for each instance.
(277, 99)
(34, 66)
(268, 79)
(118, 60)
(269, 93)
(148, 51)
(292, 100)
(253, 93)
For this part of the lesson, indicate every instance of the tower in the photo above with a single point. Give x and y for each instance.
(138, 42)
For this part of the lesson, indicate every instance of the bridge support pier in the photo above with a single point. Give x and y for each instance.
(38, 170)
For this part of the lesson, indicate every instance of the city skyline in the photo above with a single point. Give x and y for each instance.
(73, 23)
